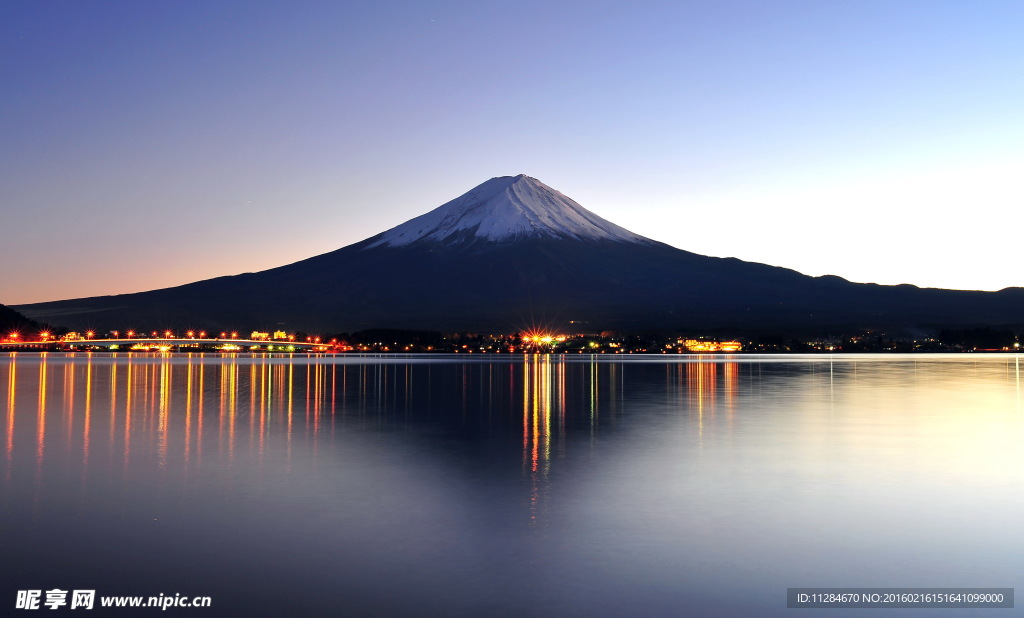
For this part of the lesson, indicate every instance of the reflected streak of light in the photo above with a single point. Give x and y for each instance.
(128, 410)
(88, 413)
(612, 381)
(223, 406)
(1016, 367)
(730, 375)
(264, 397)
(41, 413)
(252, 406)
(150, 386)
(318, 394)
(546, 410)
(831, 387)
(593, 395)
(232, 405)
(163, 412)
(535, 406)
(701, 378)
(537, 409)
(200, 399)
(291, 402)
(526, 413)
(69, 397)
(12, 379)
(188, 408)
(560, 394)
(113, 404)
(344, 390)
(309, 386)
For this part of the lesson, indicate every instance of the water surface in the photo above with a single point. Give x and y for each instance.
(510, 485)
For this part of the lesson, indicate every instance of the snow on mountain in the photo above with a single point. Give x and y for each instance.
(507, 208)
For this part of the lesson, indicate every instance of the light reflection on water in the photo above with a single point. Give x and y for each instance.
(537, 485)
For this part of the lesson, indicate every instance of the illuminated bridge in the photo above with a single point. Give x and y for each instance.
(169, 343)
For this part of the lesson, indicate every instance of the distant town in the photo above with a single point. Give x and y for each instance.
(396, 341)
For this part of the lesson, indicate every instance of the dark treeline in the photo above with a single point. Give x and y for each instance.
(942, 340)
(936, 339)
(391, 336)
(984, 338)
(12, 321)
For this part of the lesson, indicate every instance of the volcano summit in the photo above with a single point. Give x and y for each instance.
(513, 253)
(506, 209)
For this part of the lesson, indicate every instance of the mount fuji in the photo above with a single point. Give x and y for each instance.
(506, 209)
(513, 253)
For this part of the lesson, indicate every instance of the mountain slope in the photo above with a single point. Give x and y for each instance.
(513, 253)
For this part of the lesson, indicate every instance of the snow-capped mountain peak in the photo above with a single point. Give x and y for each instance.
(507, 208)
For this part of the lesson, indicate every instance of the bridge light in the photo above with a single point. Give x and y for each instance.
(234, 335)
(167, 334)
(89, 334)
(202, 334)
(191, 334)
(131, 334)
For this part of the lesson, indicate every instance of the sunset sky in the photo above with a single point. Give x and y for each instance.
(149, 144)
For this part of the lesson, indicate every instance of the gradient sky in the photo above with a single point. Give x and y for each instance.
(148, 144)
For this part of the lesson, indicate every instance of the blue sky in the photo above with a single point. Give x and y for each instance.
(152, 144)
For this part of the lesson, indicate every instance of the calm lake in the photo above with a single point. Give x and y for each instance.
(508, 485)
